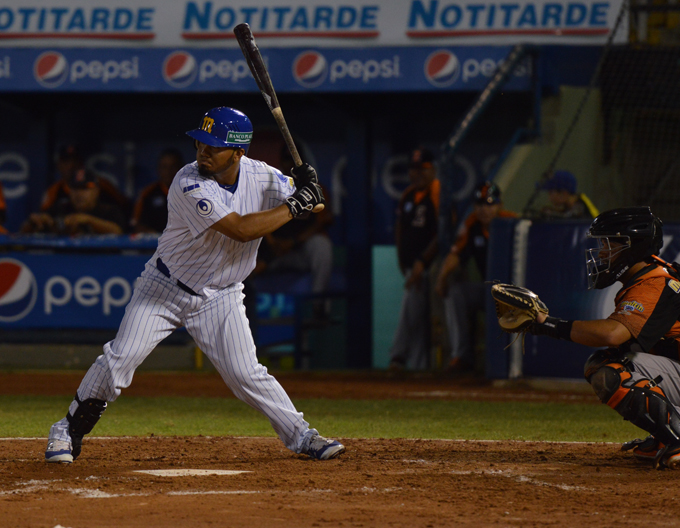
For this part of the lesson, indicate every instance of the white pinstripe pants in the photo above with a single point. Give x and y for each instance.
(219, 327)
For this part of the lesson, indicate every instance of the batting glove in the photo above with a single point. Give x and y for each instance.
(304, 175)
(305, 199)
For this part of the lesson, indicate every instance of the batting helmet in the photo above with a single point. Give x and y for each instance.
(224, 127)
(625, 236)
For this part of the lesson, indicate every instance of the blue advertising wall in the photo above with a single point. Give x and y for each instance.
(387, 69)
(66, 290)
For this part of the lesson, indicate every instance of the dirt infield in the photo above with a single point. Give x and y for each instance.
(377, 482)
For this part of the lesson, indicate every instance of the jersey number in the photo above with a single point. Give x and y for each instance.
(208, 123)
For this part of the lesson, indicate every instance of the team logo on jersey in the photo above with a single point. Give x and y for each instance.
(674, 285)
(442, 68)
(50, 69)
(180, 69)
(310, 69)
(18, 290)
(204, 207)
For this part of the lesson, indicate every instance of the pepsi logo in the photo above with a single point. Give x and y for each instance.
(310, 69)
(18, 290)
(50, 69)
(180, 69)
(442, 68)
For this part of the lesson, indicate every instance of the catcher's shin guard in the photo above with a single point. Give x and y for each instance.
(643, 403)
(600, 358)
(82, 421)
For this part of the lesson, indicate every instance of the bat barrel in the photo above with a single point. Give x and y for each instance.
(242, 32)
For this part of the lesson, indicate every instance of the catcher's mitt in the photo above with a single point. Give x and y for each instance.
(516, 307)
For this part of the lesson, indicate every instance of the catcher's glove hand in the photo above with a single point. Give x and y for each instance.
(516, 307)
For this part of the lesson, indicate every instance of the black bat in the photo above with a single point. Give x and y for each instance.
(251, 52)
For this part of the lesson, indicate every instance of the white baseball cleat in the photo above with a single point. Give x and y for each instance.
(58, 451)
(323, 448)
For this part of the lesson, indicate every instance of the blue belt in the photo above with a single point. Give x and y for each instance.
(165, 271)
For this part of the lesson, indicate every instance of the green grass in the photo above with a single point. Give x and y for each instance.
(27, 416)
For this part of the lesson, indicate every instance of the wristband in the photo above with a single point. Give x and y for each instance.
(553, 327)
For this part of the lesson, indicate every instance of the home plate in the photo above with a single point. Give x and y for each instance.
(189, 472)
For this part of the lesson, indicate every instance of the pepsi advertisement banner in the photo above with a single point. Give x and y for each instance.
(66, 291)
(292, 70)
(332, 23)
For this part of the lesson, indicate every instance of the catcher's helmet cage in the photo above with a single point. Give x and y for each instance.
(224, 127)
(625, 236)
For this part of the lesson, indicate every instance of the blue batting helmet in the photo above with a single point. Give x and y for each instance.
(224, 127)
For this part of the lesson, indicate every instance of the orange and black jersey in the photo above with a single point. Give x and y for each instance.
(151, 208)
(56, 198)
(473, 240)
(417, 218)
(649, 307)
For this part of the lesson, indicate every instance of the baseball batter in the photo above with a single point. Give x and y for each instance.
(638, 374)
(219, 207)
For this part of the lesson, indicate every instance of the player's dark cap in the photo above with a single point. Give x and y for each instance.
(421, 158)
(69, 152)
(487, 193)
(561, 180)
(83, 179)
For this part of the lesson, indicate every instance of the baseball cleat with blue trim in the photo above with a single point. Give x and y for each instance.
(58, 451)
(323, 448)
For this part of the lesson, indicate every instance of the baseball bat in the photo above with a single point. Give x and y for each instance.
(251, 52)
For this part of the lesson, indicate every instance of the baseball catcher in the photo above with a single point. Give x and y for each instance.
(637, 371)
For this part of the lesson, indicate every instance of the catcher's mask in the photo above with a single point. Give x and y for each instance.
(624, 237)
(224, 127)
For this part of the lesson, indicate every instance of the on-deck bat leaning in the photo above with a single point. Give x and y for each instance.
(251, 52)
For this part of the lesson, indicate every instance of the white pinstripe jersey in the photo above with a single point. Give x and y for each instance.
(201, 257)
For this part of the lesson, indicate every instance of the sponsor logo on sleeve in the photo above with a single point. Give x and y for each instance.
(204, 207)
(674, 285)
(631, 306)
(191, 189)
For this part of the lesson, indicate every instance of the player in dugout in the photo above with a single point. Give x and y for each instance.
(219, 208)
(69, 162)
(465, 298)
(83, 214)
(416, 239)
(637, 370)
(150, 214)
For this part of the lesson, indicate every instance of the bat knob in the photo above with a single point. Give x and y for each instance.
(318, 208)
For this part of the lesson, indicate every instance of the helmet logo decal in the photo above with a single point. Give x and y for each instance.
(208, 123)
(239, 137)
